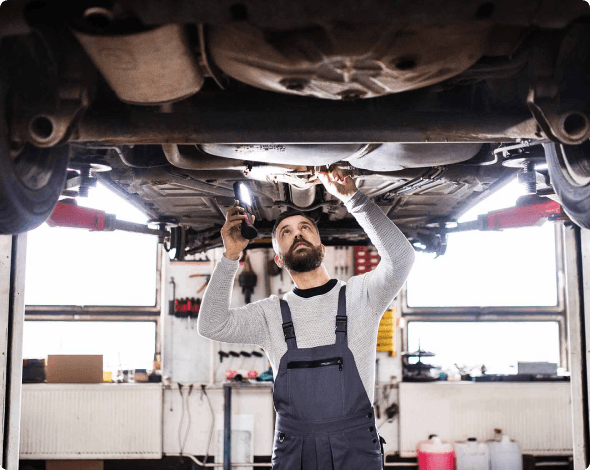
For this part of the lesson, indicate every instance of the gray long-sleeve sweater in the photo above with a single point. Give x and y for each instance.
(367, 297)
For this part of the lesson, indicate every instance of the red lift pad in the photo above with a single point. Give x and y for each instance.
(72, 215)
(522, 216)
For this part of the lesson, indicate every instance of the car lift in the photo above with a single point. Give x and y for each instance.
(529, 211)
(68, 213)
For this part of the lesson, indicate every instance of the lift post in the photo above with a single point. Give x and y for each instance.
(12, 315)
(577, 299)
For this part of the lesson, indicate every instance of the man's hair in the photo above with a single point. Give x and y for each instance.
(286, 215)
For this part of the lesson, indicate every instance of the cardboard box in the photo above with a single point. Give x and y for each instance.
(141, 375)
(74, 465)
(74, 369)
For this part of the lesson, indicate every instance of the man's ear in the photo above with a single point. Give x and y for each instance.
(278, 261)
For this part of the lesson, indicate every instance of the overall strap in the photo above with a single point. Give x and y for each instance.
(288, 329)
(341, 320)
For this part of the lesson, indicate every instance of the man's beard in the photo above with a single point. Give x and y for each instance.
(304, 261)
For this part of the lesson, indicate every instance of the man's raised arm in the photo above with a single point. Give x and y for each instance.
(217, 321)
(397, 253)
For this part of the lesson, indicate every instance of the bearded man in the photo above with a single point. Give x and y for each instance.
(320, 338)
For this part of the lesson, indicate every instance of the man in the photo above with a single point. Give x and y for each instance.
(321, 338)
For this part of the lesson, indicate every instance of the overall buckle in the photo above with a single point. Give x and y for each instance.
(288, 330)
(341, 323)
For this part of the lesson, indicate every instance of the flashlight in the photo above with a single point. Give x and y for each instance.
(247, 228)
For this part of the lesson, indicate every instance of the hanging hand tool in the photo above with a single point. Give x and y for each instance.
(244, 354)
(257, 355)
(247, 280)
(69, 214)
(207, 279)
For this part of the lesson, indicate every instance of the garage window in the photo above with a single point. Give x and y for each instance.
(510, 268)
(123, 345)
(497, 345)
(76, 267)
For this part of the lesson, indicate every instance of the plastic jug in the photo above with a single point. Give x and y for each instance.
(505, 455)
(472, 455)
(434, 454)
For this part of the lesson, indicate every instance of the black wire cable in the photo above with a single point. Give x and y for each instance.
(204, 392)
(181, 419)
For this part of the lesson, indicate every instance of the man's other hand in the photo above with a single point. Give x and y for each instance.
(337, 183)
(231, 234)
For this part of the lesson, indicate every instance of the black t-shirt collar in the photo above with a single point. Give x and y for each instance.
(307, 293)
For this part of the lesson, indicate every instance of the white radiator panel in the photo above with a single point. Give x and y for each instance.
(535, 414)
(94, 421)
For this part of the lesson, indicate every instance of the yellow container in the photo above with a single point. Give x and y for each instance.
(386, 334)
(107, 376)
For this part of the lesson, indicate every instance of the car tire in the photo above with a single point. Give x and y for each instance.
(22, 207)
(569, 170)
(30, 180)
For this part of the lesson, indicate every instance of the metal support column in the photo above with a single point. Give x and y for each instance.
(12, 314)
(226, 426)
(577, 274)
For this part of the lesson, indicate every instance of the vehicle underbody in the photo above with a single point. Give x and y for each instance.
(430, 106)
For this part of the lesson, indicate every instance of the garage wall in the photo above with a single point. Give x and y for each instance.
(186, 354)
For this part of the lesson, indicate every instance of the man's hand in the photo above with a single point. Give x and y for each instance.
(337, 184)
(233, 241)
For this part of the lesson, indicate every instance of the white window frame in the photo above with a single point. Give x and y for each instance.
(555, 313)
(102, 312)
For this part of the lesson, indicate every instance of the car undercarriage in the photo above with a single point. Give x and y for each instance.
(429, 106)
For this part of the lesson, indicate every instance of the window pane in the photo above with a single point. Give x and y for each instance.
(125, 345)
(69, 266)
(498, 345)
(511, 268)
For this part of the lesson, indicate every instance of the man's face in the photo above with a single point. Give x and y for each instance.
(299, 246)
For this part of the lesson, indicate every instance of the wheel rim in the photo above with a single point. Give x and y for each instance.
(574, 161)
(34, 166)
